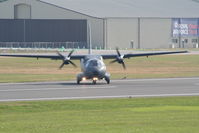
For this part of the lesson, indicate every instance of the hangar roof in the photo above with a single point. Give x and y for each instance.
(131, 8)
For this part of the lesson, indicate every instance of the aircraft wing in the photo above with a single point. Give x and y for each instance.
(78, 57)
(48, 56)
(141, 54)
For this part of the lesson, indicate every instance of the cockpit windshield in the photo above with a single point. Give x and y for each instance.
(93, 63)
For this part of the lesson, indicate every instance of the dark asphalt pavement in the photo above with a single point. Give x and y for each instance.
(117, 88)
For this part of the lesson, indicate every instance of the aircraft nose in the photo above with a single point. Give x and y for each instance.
(95, 72)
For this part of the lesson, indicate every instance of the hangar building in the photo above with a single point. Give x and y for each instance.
(114, 23)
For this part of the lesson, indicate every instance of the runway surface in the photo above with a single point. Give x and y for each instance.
(117, 88)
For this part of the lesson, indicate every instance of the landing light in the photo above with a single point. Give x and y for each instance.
(95, 78)
(84, 78)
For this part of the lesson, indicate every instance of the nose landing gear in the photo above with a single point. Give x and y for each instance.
(81, 77)
(95, 80)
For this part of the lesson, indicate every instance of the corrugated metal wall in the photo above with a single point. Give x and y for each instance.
(155, 32)
(120, 32)
(144, 33)
(21, 30)
(41, 10)
(139, 32)
(11, 30)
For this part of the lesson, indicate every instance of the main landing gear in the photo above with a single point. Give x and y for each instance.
(79, 78)
(107, 79)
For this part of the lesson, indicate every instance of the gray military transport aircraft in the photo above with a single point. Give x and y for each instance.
(92, 66)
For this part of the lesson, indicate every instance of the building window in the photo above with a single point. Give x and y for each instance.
(194, 40)
(185, 40)
(174, 40)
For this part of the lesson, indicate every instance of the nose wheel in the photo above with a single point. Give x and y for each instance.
(94, 82)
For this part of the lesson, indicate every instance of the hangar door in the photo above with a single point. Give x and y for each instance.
(49, 32)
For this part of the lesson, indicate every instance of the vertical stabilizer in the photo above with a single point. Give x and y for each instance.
(90, 43)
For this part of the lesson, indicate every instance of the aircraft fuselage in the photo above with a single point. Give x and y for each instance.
(93, 68)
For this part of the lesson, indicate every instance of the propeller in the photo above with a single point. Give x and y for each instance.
(66, 59)
(119, 59)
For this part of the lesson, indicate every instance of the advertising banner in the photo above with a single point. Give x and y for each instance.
(185, 27)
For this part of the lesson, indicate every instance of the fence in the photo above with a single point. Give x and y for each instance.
(44, 45)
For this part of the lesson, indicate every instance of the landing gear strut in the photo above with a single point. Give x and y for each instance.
(95, 80)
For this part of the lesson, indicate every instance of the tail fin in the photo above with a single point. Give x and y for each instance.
(90, 43)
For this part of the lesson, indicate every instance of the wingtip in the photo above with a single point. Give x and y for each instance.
(185, 51)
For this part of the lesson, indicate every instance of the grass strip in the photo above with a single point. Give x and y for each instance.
(133, 115)
(29, 70)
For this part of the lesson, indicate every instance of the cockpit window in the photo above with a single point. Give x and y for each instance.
(93, 63)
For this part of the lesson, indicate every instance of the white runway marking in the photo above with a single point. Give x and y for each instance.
(44, 89)
(101, 97)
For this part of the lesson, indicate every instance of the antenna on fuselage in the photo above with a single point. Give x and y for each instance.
(90, 43)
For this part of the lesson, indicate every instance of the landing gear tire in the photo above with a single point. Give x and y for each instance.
(107, 80)
(78, 81)
(94, 82)
(79, 78)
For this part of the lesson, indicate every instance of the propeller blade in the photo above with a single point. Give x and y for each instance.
(72, 63)
(118, 52)
(113, 61)
(69, 55)
(66, 60)
(60, 55)
(61, 65)
(119, 59)
(124, 66)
